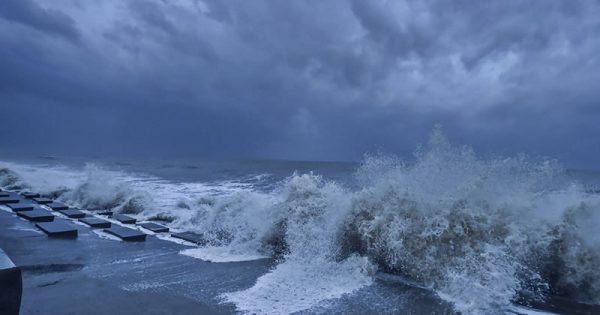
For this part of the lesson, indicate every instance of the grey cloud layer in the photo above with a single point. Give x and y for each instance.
(299, 79)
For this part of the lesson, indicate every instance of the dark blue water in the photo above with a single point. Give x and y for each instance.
(449, 229)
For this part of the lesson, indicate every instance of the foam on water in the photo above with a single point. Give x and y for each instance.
(481, 233)
(222, 254)
(107, 236)
(294, 286)
(527, 311)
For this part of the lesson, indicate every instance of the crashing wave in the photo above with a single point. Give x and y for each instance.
(11, 180)
(482, 233)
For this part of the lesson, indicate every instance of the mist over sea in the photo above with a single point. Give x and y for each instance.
(477, 235)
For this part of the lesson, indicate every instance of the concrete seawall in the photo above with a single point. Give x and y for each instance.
(11, 286)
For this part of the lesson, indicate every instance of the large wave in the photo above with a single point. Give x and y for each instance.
(482, 233)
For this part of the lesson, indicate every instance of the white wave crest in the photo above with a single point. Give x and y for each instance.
(482, 233)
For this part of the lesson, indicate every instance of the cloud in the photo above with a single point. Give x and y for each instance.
(29, 13)
(309, 80)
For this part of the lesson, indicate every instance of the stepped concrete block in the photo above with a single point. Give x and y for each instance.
(96, 222)
(126, 234)
(156, 228)
(30, 195)
(21, 206)
(8, 199)
(37, 215)
(191, 237)
(125, 219)
(57, 206)
(58, 229)
(73, 214)
(42, 200)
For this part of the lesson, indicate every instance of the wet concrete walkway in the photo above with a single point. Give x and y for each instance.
(95, 275)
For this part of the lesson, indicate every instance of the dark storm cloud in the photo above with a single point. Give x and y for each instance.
(31, 14)
(299, 79)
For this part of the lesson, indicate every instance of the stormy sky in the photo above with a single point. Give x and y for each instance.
(319, 80)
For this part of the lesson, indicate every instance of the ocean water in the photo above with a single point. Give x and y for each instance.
(476, 235)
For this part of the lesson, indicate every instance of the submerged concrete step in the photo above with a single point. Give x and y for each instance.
(58, 228)
(126, 234)
(57, 206)
(21, 206)
(156, 228)
(36, 215)
(96, 222)
(191, 237)
(11, 286)
(125, 219)
(43, 200)
(72, 213)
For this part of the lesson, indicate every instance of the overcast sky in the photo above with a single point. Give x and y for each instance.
(324, 80)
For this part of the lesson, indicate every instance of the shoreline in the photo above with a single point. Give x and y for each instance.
(93, 275)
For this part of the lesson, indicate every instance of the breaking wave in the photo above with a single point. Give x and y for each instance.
(481, 233)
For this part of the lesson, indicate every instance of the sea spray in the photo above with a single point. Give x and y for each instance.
(481, 232)
(102, 189)
(9, 179)
(311, 213)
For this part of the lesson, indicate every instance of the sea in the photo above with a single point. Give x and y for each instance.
(441, 232)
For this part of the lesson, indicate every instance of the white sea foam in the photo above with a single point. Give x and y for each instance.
(222, 254)
(107, 236)
(479, 232)
(294, 286)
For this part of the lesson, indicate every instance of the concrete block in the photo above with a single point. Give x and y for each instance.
(126, 234)
(30, 195)
(73, 214)
(105, 212)
(11, 286)
(125, 219)
(156, 228)
(58, 228)
(42, 200)
(9, 199)
(21, 206)
(96, 222)
(37, 215)
(191, 237)
(57, 206)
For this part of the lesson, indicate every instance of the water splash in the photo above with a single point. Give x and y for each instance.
(480, 232)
